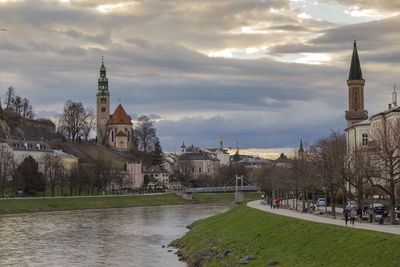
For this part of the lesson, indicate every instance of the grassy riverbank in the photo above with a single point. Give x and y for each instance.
(53, 204)
(291, 242)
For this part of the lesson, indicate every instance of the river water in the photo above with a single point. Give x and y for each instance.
(108, 237)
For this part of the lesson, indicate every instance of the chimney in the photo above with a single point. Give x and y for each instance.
(390, 106)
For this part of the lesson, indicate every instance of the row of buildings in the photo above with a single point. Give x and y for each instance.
(13, 152)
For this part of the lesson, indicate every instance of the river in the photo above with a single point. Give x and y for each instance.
(108, 237)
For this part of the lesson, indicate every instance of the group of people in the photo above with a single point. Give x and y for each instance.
(275, 203)
(357, 213)
(354, 213)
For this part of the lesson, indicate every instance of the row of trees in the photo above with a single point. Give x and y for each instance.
(32, 177)
(329, 168)
(18, 104)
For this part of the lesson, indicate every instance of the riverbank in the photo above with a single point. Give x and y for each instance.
(243, 232)
(8, 206)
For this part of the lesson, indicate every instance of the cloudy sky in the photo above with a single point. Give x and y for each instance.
(263, 73)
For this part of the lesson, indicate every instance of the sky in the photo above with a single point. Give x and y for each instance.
(262, 73)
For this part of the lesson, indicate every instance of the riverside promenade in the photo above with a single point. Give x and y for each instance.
(392, 229)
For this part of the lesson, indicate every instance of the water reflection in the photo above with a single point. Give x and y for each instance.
(111, 237)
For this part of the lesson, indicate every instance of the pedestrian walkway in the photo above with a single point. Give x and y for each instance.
(392, 229)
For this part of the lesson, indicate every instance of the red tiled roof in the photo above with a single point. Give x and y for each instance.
(120, 116)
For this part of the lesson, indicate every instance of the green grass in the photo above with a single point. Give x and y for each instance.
(290, 241)
(52, 204)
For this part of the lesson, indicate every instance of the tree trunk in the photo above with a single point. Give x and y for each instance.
(333, 204)
(392, 202)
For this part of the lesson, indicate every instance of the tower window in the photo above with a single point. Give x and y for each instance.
(103, 99)
(103, 109)
(355, 97)
(365, 139)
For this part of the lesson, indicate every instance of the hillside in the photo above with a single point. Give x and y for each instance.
(88, 153)
(13, 126)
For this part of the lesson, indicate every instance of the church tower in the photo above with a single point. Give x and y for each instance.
(103, 105)
(356, 112)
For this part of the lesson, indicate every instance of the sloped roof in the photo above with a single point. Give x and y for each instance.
(27, 145)
(155, 169)
(197, 156)
(120, 116)
(62, 154)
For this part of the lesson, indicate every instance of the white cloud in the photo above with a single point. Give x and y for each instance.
(356, 11)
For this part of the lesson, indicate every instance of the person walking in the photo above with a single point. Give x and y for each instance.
(359, 214)
(346, 215)
(277, 202)
(270, 203)
(370, 213)
(274, 204)
(353, 215)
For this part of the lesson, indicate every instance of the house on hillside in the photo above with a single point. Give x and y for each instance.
(220, 154)
(195, 162)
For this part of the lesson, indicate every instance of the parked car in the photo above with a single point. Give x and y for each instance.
(379, 208)
(321, 202)
(352, 204)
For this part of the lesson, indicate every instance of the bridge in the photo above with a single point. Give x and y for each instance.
(221, 189)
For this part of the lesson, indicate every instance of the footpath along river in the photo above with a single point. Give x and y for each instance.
(108, 237)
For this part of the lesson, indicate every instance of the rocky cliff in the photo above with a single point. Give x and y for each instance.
(12, 125)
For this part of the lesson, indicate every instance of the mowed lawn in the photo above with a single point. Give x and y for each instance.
(291, 242)
(52, 204)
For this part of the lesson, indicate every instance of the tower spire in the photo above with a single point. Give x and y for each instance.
(301, 149)
(355, 67)
(356, 82)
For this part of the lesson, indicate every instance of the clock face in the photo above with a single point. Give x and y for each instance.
(103, 121)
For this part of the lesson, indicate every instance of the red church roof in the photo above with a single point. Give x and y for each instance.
(120, 116)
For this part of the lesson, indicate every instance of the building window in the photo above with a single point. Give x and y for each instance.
(199, 169)
(112, 136)
(129, 136)
(103, 109)
(355, 97)
(365, 139)
(192, 169)
(103, 99)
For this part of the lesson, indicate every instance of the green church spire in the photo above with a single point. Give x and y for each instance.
(103, 81)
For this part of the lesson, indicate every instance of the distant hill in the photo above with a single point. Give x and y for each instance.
(13, 125)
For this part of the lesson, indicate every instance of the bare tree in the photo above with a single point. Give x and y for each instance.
(27, 110)
(103, 174)
(385, 149)
(53, 171)
(8, 101)
(359, 170)
(89, 123)
(7, 166)
(330, 155)
(73, 120)
(145, 132)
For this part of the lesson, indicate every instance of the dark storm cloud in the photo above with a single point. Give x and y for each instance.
(156, 58)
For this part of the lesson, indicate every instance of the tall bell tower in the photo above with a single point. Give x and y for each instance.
(356, 112)
(103, 105)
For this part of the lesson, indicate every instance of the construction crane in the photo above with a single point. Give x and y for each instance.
(222, 141)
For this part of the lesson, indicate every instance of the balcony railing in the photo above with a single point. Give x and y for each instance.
(356, 115)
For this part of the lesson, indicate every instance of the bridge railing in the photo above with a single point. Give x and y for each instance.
(220, 189)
